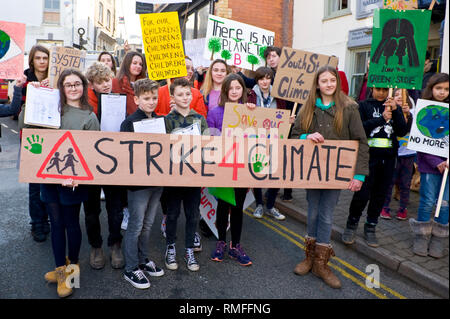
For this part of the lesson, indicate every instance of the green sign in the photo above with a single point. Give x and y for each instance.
(399, 44)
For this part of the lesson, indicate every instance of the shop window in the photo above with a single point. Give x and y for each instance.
(336, 8)
(360, 59)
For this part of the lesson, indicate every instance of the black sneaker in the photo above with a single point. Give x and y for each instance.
(369, 235)
(197, 242)
(137, 278)
(286, 198)
(38, 234)
(151, 268)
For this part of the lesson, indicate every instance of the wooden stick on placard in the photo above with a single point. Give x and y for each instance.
(441, 193)
(294, 110)
(432, 5)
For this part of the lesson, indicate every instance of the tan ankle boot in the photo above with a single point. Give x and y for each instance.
(320, 268)
(117, 259)
(62, 289)
(305, 266)
(51, 275)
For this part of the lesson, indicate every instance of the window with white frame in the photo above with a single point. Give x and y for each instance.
(108, 19)
(359, 69)
(336, 8)
(100, 13)
(51, 12)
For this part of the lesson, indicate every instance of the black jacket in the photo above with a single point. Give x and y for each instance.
(375, 126)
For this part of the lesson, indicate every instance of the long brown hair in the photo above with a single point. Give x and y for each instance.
(340, 99)
(33, 51)
(427, 93)
(125, 66)
(226, 87)
(114, 67)
(208, 83)
(84, 104)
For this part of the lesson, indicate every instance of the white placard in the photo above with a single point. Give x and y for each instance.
(156, 125)
(114, 112)
(42, 107)
(163, 1)
(193, 129)
(194, 49)
(238, 43)
(429, 131)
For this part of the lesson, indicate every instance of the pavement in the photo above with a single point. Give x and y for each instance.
(394, 236)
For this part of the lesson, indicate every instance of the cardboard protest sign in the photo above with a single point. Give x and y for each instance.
(62, 58)
(254, 123)
(295, 73)
(119, 158)
(237, 43)
(429, 131)
(12, 44)
(400, 4)
(163, 45)
(399, 44)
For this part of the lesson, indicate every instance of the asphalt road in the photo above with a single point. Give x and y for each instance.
(275, 248)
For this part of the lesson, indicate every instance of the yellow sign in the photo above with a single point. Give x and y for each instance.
(163, 45)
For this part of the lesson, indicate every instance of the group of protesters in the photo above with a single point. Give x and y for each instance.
(375, 123)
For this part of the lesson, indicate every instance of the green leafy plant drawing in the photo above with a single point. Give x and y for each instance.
(258, 162)
(262, 50)
(226, 55)
(253, 60)
(214, 45)
(35, 147)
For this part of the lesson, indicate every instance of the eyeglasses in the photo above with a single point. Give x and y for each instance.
(76, 85)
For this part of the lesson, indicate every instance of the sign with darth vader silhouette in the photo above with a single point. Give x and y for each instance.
(399, 44)
(429, 131)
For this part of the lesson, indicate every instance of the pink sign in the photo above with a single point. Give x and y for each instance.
(12, 44)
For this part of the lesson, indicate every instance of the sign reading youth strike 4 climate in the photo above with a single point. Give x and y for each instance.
(295, 73)
(398, 50)
(118, 158)
(239, 44)
(429, 131)
(163, 45)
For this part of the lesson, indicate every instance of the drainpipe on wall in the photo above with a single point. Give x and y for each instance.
(286, 23)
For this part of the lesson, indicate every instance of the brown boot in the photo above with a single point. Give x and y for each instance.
(305, 266)
(320, 268)
(51, 275)
(62, 289)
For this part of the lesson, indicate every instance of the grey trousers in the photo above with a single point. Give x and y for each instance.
(142, 206)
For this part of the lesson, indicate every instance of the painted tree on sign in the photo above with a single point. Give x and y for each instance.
(214, 46)
(253, 60)
(226, 55)
(262, 50)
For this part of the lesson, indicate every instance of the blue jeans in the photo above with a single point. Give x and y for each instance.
(142, 206)
(430, 185)
(271, 196)
(321, 204)
(36, 207)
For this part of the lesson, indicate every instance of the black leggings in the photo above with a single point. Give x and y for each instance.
(65, 219)
(236, 216)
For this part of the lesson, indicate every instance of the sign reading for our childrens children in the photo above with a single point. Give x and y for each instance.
(430, 128)
(258, 122)
(119, 158)
(295, 73)
(399, 44)
(239, 44)
(62, 58)
(12, 43)
(163, 45)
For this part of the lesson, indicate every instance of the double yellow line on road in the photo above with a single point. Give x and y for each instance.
(334, 262)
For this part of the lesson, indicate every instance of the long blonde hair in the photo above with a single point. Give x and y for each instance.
(340, 99)
(208, 82)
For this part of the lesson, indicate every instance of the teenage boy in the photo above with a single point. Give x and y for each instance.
(383, 121)
(143, 202)
(100, 82)
(181, 117)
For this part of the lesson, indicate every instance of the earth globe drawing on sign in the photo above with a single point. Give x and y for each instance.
(5, 42)
(432, 121)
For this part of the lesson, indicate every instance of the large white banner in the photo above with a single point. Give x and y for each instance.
(429, 131)
(194, 49)
(238, 43)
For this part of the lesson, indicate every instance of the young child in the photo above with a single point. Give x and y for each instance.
(338, 119)
(180, 117)
(383, 121)
(233, 90)
(63, 202)
(405, 164)
(100, 82)
(142, 201)
(260, 95)
(432, 233)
